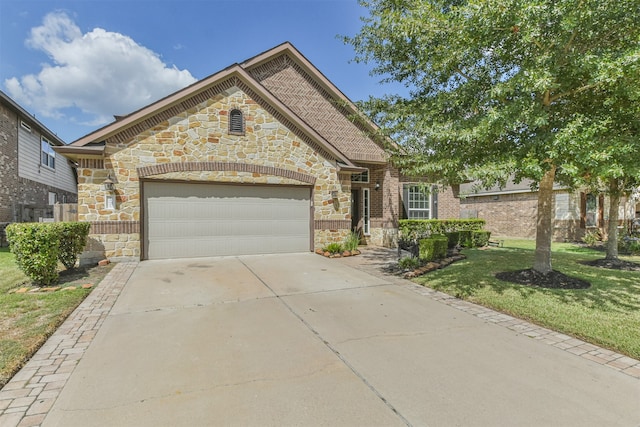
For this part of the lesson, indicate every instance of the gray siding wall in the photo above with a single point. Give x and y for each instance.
(29, 165)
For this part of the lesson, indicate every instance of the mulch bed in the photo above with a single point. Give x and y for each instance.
(617, 264)
(552, 280)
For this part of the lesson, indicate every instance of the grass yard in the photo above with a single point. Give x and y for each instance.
(28, 319)
(606, 314)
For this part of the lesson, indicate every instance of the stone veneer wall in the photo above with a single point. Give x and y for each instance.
(199, 136)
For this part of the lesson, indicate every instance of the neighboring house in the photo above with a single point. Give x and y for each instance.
(264, 156)
(512, 210)
(32, 177)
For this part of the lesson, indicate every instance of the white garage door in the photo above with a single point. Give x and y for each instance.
(184, 220)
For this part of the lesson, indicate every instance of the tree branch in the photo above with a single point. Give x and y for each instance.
(571, 92)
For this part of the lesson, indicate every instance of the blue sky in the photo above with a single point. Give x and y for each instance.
(75, 64)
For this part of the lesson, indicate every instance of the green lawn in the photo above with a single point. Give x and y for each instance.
(28, 319)
(606, 314)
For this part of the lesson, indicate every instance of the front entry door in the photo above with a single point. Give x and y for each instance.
(355, 209)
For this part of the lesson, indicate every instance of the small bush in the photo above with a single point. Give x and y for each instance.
(480, 238)
(352, 241)
(73, 240)
(433, 248)
(409, 263)
(36, 248)
(333, 248)
(629, 245)
(591, 238)
(453, 237)
(465, 239)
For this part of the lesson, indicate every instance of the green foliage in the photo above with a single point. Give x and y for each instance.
(433, 248)
(453, 238)
(629, 245)
(351, 242)
(414, 229)
(591, 238)
(480, 238)
(35, 246)
(533, 88)
(73, 240)
(409, 263)
(465, 239)
(333, 248)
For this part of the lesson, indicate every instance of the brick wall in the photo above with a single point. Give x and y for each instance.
(507, 215)
(9, 187)
(448, 204)
(21, 199)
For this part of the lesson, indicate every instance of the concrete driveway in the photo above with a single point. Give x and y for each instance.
(303, 340)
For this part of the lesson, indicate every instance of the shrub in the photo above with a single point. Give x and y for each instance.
(35, 246)
(352, 241)
(591, 238)
(408, 263)
(416, 229)
(73, 240)
(629, 245)
(433, 248)
(465, 239)
(333, 248)
(480, 238)
(453, 238)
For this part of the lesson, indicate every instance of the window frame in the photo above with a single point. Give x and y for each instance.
(47, 157)
(366, 211)
(362, 177)
(412, 205)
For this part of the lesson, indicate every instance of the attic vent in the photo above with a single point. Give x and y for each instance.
(236, 122)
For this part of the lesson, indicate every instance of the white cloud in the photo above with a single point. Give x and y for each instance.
(102, 73)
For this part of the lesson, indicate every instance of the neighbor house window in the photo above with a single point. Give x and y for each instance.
(236, 122)
(360, 177)
(47, 156)
(53, 197)
(591, 210)
(418, 201)
(366, 229)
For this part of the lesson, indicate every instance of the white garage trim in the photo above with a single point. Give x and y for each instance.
(187, 220)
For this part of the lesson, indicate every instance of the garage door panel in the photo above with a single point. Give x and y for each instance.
(192, 220)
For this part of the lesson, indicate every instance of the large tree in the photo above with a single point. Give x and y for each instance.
(500, 87)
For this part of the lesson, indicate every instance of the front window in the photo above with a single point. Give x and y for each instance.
(360, 177)
(47, 155)
(417, 201)
(591, 216)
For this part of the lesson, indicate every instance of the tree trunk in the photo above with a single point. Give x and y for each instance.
(544, 226)
(614, 203)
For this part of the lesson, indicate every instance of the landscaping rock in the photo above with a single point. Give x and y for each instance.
(104, 262)
(87, 286)
(69, 288)
(50, 289)
(346, 253)
(21, 290)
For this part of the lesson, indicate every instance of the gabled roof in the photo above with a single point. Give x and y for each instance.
(293, 79)
(25, 115)
(332, 106)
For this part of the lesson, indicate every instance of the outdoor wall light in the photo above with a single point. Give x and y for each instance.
(377, 187)
(110, 188)
(334, 194)
(108, 184)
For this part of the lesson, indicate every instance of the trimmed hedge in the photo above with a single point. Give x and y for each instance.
(480, 238)
(73, 241)
(415, 229)
(39, 246)
(433, 248)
